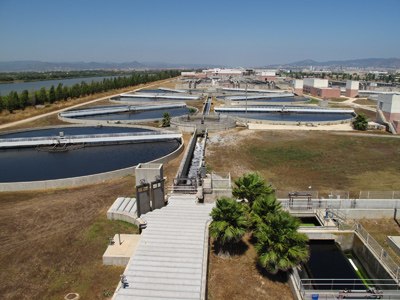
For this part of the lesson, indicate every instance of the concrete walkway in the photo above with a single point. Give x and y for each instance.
(169, 261)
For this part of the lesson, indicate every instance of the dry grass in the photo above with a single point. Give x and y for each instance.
(380, 229)
(239, 277)
(294, 160)
(371, 115)
(365, 101)
(338, 99)
(53, 241)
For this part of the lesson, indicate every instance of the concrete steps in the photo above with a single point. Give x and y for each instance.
(168, 263)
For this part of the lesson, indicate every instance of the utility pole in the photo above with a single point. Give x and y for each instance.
(246, 105)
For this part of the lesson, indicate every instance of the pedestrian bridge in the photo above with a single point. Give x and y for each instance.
(92, 138)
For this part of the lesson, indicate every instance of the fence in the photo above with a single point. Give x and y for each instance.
(343, 195)
(221, 181)
(378, 250)
(379, 195)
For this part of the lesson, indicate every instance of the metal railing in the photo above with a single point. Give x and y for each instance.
(328, 289)
(379, 195)
(220, 181)
(378, 250)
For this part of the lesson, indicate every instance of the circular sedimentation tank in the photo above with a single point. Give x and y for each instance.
(30, 164)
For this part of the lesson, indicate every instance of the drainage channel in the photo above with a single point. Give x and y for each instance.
(207, 107)
(191, 170)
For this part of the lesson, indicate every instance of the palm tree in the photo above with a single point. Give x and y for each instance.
(360, 123)
(166, 121)
(263, 207)
(229, 221)
(250, 186)
(279, 245)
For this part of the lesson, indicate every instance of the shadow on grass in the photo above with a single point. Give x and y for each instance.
(229, 249)
(280, 276)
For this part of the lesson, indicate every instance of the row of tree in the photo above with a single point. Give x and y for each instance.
(278, 243)
(14, 101)
(53, 75)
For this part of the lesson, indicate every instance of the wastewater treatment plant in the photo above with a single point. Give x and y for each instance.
(142, 132)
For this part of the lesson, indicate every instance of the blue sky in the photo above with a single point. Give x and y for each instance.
(233, 33)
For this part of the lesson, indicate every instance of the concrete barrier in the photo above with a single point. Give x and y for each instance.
(82, 180)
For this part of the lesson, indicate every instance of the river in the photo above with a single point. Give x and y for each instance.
(6, 88)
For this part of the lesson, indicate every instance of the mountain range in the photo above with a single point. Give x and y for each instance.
(355, 63)
(40, 66)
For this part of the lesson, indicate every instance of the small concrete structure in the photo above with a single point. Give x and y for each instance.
(394, 243)
(122, 250)
(148, 172)
(352, 88)
(123, 209)
(389, 104)
(297, 85)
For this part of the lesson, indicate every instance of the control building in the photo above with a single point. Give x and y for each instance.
(319, 87)
(297, 85)
(352, 88)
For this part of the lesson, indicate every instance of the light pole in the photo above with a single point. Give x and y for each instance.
(246, 105)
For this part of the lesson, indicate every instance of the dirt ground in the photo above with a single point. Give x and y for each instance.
(239, 277)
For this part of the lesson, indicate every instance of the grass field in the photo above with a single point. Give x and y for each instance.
(294, 160)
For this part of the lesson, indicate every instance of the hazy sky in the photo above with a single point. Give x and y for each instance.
(234, 33)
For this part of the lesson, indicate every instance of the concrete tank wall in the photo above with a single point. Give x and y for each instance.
(65, 182)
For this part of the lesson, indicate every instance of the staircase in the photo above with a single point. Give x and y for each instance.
(169, 262)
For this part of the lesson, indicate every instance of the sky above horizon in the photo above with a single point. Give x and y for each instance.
(231, 33)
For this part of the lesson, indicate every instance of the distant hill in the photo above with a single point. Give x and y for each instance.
(355, 63)
(19, 66)
(162, 65)
(40, 66)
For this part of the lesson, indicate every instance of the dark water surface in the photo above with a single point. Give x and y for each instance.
(6, 88)
(290, 117)
(328, 261)
(140, 115)
(33, 165)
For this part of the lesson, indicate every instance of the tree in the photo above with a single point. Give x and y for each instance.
(12, 102)
(24, 99)
(42, 96)
(166, 119)
(279, 245)
(360, 123)
(263, 207)
(59, 92)
(229, 222)
(250, 186)
(52, 94)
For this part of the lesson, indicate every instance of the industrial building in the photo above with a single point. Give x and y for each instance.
(389, 104)
(267, 75)
(352, 88)
(319, 87)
